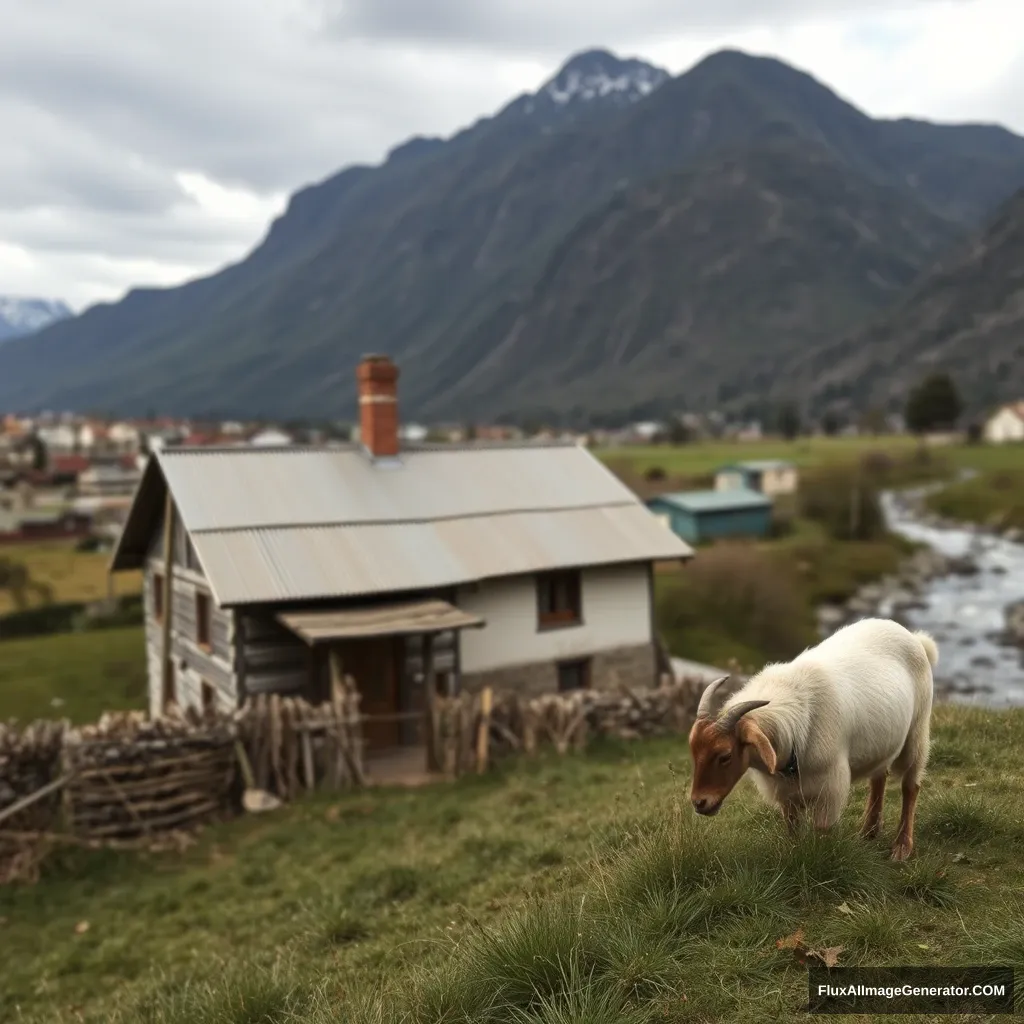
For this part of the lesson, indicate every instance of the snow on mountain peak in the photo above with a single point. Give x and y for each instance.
(598, 74)
(20, 315)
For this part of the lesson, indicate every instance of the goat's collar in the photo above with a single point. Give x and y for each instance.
(791, 768)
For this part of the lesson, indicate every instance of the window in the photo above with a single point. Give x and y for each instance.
(208, 696)
(158, 596)
(573, 675)
(558, 600)
(203, 620)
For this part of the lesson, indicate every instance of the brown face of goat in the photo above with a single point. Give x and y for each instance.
(723, 748)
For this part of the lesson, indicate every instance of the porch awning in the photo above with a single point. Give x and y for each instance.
(384, 620)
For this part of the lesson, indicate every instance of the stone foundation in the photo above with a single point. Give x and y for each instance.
(632, 668)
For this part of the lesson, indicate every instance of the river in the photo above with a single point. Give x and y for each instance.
(965, 612)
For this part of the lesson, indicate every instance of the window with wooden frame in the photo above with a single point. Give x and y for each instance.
(203, 620)
(558, 600)
(209, 697)
(158, 596)
(573, 675)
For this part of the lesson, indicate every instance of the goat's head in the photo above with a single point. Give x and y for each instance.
(721, 745)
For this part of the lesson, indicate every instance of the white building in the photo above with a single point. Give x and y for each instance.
(1006, 424)
(516, 566)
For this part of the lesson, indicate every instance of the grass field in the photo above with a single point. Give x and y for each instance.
(72, 575)
(701, 460)
(89, 672)
(995, 497)
(579, 889)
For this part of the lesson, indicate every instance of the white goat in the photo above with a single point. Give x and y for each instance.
(856, 706)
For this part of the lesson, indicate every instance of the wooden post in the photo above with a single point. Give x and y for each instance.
(167, 668)
(430, 702)
(484, 732)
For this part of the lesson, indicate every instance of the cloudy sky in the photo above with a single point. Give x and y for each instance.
(146, 143)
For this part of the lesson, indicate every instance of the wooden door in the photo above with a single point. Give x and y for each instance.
(373, 666)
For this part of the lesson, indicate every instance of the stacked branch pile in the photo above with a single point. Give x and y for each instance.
(471, 728)
(130, 776)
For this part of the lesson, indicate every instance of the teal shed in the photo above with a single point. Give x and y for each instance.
(699, 516)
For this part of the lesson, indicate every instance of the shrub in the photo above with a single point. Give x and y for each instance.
(654, 473)
(733, 601)
(68, 616)
(844, 501)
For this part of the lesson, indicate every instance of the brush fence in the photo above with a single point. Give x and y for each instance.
(469, 730)
(129, 777)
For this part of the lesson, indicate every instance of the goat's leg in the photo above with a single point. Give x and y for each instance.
(872, 823)
(832, 797)
(904, 844)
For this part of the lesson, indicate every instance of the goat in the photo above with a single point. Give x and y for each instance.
(856, 706)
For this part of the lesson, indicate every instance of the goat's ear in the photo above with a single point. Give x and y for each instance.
(748, 732)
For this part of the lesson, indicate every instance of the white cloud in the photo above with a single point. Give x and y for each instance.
(149, 143)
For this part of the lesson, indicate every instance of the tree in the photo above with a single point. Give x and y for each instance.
(678, 431)
(40, 456)
(934, 404)
(787, 420)
(830, 423)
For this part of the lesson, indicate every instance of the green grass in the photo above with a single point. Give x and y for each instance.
(562, 889)
(71, 575)
(995, 497)
(88, 672)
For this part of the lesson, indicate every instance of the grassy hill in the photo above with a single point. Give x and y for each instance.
(556, 890)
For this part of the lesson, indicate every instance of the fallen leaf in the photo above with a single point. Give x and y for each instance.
(794, 941)
(81, 927)
(829, 956)
(923, 945)
(967, 785)
(844, 908)
(960, 858)
(333, 813)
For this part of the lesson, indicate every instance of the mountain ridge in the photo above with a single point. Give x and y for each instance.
(431, 255)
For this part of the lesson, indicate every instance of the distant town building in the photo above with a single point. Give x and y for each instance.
(1005, 424)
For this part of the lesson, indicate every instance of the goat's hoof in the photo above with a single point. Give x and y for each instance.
(901, 851)
(870, 831)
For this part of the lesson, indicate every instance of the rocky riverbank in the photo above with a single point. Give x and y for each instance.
(965, 585)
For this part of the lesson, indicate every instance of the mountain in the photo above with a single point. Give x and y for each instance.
(965, 317)
(20, 316)
(465, 258)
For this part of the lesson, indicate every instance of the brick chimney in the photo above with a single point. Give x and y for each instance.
(378, 406)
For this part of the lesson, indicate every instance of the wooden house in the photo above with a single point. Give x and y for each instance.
(512, 566)
(768, 476)
(699, 516)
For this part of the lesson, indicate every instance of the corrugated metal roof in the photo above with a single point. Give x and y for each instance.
(307, 523)
(715, 501)
(758, 465)
(246, 489)
(386, 620)
(299, 563)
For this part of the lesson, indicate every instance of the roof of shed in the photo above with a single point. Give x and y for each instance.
(716, 501)
(388, 620)
(298, 523)
(758, 465)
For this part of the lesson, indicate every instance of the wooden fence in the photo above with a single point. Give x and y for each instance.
(129, 778)
(132, 779)
(468, 731)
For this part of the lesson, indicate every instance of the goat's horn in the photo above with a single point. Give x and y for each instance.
(707, 698)
(728, 721)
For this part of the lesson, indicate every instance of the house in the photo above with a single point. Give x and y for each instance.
(25, 526)
(769, 476)
(270, 437)
(699, 516)
(511, 566)
(108, 481)
(1005, 424)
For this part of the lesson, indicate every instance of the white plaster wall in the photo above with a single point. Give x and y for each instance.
(1004, 426)
(616, 613)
